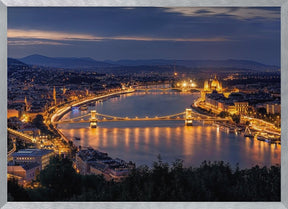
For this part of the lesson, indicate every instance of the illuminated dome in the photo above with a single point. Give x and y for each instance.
(215, 83)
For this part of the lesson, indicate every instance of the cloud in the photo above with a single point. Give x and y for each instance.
(33, 42)
(48, 35)
(62, 36)
(213, 39)
(237, 13)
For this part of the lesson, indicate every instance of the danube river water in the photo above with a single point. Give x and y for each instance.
(142, 141)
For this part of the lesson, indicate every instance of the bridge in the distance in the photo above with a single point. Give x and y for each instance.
(165, 89)
(94, 117)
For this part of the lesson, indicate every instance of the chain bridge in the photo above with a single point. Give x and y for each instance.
(94, 117)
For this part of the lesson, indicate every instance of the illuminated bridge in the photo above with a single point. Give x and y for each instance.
(188, 116)
(166, 89)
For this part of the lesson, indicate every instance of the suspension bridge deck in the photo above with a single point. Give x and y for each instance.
(117, 119)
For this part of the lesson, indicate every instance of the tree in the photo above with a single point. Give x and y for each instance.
(224, 114)
(236, 118)
(60, 178)
(16, 192)
(261, 111)
(211, 181)
(38, 122)
(250, 110)
(9, 143)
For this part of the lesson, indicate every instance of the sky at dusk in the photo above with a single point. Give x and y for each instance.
(146, 33)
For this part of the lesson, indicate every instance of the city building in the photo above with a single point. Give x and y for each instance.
(214, 85)
(97, 168)
(241, 107)
(90, 161)
(41, 156)
(273, 107)
(218, 102)
(24, 173)
(30, 131)
(218, 99)
(13, 113)
(209, 87)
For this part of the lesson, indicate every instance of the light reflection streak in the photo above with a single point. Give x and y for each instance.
(104, 137)
(168, 135)
(156, 135)
(218, 140)
(178, 133)
(187, 145)
(137, 135)
(187, 141)
(80, 134)
(127, 131)
(146, 136)
(115, 137)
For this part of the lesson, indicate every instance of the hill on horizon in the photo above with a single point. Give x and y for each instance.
(14, 63)
(229, 63)
(64, 62)
(90, 63)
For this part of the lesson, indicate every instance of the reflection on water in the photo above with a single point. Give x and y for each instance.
(141, 142)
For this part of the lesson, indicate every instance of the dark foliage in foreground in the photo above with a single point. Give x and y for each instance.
(210, 182)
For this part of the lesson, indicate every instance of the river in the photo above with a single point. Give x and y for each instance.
(142, 141)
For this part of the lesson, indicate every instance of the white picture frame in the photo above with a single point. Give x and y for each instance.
(129, 3)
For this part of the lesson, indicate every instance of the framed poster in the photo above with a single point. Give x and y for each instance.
(167, 104)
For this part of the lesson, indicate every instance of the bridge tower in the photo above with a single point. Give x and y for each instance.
(188, 117)
(93, 119)
(248, 132)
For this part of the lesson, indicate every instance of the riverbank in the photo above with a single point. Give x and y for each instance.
(261, 134)
(61, 112)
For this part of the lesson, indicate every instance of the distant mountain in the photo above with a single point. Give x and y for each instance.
(15, 62)
(64, 62)
(230, 63)
(89, 63)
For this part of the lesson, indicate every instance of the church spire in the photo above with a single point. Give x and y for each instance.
(54, 95)
(64, 90)
(26, 103)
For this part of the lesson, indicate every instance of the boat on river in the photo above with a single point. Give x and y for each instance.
(83, 107)
(261, 138)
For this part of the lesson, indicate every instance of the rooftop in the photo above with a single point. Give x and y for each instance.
(93, 155)
(31, 152)
(25, 166)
